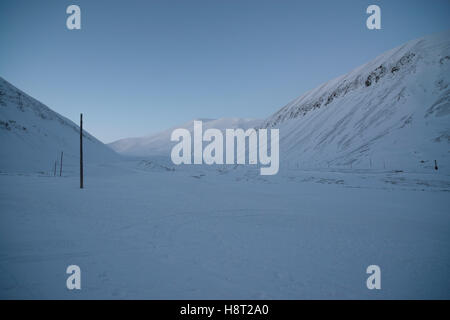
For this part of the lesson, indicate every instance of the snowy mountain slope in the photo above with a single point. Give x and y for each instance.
(32, 136)
(160, 144)
(392, 112)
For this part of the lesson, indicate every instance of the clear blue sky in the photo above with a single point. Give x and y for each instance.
(138, 67)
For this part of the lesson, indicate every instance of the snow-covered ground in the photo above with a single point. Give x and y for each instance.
(143, 229)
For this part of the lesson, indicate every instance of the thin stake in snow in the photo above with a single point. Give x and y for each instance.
(81, 151)
(54, 170)
(435, 165)
(60, 165)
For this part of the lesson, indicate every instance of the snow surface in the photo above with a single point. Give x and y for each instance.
(150, 233)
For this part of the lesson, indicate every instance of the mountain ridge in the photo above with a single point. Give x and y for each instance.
(378, 113)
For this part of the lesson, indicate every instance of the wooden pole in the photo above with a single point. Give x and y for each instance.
(54, 170)
(60, 165)
(81, 151)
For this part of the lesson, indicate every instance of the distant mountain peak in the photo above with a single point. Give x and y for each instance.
(160, 144)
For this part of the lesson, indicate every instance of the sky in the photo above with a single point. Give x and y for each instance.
(137, 67)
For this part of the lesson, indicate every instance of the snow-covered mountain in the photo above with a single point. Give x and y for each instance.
(160, 144)
(392, 112)
(32, 136)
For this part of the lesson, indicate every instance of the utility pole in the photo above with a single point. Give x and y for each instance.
(60, 165)
(81, 151)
